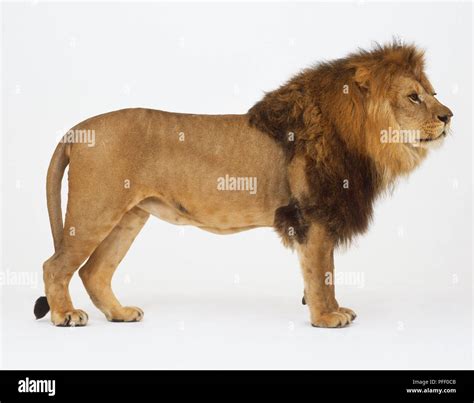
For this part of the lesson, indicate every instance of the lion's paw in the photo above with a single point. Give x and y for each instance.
(126, 314)
(340, 318)
(76, 317)
(346, 311)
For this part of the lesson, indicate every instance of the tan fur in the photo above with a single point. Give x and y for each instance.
(317, 264)
(168, 165)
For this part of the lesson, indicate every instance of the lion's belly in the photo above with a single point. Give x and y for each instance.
(217, 222)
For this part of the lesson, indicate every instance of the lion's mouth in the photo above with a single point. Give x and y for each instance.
(434, 139)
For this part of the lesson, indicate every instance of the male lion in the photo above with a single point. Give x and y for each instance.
(314, 145)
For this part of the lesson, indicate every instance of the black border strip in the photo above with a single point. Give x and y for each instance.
(242, 385)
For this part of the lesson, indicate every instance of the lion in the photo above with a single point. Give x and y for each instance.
(312, 150)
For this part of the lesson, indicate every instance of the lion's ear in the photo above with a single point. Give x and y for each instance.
(362, 77)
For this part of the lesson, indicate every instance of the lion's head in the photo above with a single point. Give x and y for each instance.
(379, 102)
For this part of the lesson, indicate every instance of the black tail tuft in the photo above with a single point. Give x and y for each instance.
(41, 307)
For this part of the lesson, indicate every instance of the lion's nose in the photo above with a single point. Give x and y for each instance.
(445, 118)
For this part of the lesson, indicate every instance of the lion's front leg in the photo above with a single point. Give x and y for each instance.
(317, 263)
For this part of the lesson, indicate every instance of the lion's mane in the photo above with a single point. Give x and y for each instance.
(331, 116)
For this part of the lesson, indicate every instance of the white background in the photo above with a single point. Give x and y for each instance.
(233, 301)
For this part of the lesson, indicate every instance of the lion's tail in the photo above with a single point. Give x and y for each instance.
(57, 166)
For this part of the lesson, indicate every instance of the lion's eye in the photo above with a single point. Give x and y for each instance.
(414, 98)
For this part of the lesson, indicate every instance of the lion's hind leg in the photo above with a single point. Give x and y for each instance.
(90, 218)
(57, 273)
(97, 273)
